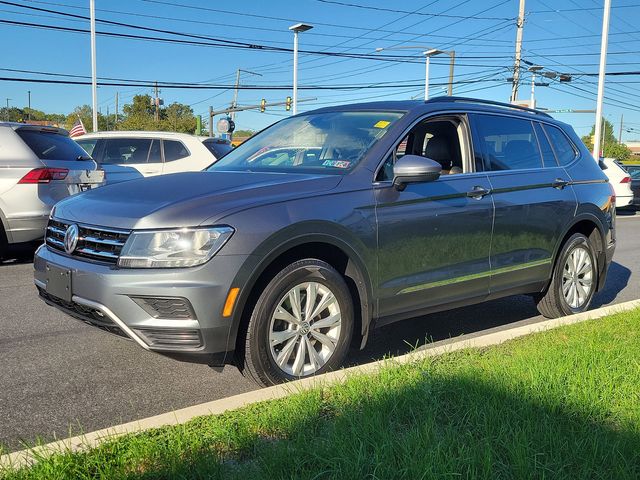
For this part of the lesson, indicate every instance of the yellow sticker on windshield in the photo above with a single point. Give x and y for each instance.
(382, 124)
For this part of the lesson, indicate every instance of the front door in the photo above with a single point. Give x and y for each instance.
(434, 237)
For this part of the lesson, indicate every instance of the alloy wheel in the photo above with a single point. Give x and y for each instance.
(577, 277)
(305, 329)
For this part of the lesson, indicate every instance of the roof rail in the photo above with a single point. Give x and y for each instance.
(445, 99)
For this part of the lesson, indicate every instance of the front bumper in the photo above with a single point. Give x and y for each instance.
(174, 312)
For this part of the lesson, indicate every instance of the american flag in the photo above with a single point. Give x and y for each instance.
(77, 129)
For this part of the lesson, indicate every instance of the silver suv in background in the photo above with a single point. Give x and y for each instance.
(130, 155)
(39, 166)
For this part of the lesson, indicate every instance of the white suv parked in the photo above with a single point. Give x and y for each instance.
(620, 179)
(129, 155)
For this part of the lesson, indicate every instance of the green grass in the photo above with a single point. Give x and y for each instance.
(559, 404)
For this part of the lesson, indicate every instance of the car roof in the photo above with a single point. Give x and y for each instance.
(138, 134)
(31, 126)
(444, 103)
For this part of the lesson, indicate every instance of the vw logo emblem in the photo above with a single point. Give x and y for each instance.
(71, 238)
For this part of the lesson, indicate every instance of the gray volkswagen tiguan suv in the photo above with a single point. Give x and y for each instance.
(291, 248)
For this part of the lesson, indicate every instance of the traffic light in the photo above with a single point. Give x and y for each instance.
(263, 105)
(287, 105)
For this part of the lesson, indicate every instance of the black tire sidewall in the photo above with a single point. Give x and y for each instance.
(259, 354)
(575, 240)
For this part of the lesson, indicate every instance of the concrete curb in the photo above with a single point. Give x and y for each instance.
(89, 440)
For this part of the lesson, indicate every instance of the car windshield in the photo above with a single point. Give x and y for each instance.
(332, 142)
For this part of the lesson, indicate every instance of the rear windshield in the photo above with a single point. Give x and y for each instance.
(634, 171)
(219, 149)
(51, 145)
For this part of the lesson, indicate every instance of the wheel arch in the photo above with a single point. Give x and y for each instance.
(283, 249)
(592, 227)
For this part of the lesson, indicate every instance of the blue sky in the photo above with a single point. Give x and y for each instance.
(563, 36)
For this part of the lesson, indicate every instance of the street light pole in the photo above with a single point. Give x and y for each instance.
(428, 53)
(94, 84)
(601, 76)
(297, 28)
(29, 105)
(426, 77)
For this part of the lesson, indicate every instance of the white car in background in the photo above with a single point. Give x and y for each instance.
(129, 155)
(620, 179)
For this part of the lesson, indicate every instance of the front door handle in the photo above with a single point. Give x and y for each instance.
(478, 192)
(560, 183)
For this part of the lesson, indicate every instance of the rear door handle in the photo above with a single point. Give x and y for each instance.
(560, 183)
(478, 192)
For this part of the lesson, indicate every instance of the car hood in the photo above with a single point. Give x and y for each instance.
(186, 199)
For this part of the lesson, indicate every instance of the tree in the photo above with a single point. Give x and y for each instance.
(609, 145)
(139, 115)
(84, 112)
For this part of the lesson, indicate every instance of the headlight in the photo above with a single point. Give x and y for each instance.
(185, 247)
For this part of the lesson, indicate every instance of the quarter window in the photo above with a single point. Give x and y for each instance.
(545, 147)
(174, 150)
(565, 152)
(509, 143)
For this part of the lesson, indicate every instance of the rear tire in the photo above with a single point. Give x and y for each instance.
(4, 244)
(290, 338)
(574, 280)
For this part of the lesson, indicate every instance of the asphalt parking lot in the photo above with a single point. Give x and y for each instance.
(59, 377)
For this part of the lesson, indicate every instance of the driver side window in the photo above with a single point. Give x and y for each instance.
(440, 139)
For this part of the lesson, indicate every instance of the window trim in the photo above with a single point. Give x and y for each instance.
(164, 158)
(461, 116)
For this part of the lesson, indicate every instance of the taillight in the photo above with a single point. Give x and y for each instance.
(44, 175)
(626, 180)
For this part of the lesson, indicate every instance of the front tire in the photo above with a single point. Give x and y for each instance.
(574, 280)
(301, 324)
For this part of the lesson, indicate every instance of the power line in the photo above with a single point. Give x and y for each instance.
(382, 9)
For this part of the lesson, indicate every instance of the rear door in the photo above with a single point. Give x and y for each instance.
(126, 159)
(72, 170)
(534, 201)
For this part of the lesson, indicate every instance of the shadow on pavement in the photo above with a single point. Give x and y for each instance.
(617, 280)
(403, 337)
(19, 253)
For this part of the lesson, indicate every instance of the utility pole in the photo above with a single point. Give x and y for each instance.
(29, 105)
(234, 104)
(115, 121)
(156, 101)
(452, 60)
(107, 118)
(211, 121)
(94, 82)
(7, 110)
(620, 133)
(601, 76)
(516, 65)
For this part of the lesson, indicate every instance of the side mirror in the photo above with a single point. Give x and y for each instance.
(414, 169)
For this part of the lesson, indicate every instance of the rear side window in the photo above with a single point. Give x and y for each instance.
(219, 149)
(565, 151)
(509, 143)
(548, 157)
(174, 150)
(51, 145)
(126, 151)
(154, 154)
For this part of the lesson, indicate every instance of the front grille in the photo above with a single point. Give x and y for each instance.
(166, 307)
(88, 315)
(94, 243)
